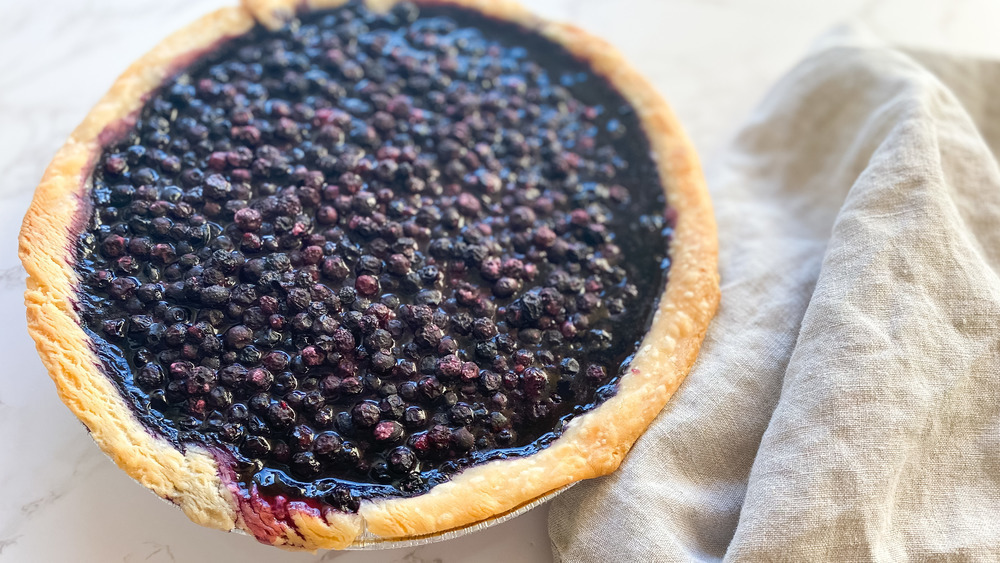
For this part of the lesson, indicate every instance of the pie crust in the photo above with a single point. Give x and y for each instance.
(594, 444)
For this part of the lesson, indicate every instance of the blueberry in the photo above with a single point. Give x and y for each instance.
(569, 366)
(388, 431)
(256, 446)
(280, 414)
(366, 414)
(305, 464)
(461, 414)
(402, 459)
(463, 439)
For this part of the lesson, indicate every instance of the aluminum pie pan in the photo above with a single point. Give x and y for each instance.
(368, 541)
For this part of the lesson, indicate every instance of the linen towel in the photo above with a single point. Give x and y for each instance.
(846, 403)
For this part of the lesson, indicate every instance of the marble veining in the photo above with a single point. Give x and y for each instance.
(63, 499)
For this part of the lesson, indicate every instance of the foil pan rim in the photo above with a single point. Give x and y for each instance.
(370, 542)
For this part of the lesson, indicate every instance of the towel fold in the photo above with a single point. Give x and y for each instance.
(846, 403)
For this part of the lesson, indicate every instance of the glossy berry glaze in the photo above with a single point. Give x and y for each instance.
(363, 252)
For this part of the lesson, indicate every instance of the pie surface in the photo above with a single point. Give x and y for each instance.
(394, 268)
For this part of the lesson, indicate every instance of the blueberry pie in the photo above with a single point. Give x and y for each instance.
(317, 269)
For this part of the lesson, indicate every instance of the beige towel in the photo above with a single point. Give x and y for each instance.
(846, 403)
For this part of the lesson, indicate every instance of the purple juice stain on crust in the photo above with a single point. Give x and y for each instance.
(358, 254)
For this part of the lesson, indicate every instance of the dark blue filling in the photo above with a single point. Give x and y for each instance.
(452, 243)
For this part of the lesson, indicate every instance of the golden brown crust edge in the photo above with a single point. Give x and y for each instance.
(593, 445)
(46, 249)
(46, 246)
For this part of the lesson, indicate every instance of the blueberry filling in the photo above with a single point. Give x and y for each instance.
(363, 252)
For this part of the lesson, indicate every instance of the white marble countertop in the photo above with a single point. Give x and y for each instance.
(65, 501)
